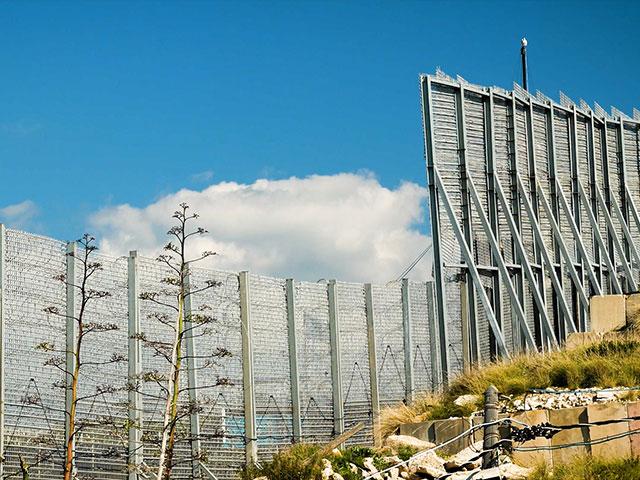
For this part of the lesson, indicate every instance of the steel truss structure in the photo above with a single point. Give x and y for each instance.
(534, 209)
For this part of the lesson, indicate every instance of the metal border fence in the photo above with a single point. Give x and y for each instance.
(308, 361)
(533, 209)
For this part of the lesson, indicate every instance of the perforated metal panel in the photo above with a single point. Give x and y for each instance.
(542, 163)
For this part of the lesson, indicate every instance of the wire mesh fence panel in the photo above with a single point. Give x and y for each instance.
(421, 338)
(101, 444)
(34, 392)
(354, 358)
(219, 373)
(387, 307)
(314, 361)
(272, 378)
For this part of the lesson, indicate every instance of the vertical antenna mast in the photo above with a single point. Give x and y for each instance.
(523, 54)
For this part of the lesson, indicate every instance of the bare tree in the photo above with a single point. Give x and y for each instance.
(172, 297)
(84, 327)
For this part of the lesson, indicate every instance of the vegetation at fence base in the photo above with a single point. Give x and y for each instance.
(589, 468)
(611, 362)
(303, 461)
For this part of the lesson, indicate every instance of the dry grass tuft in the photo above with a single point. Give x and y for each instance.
(589, 468)
(608, 363)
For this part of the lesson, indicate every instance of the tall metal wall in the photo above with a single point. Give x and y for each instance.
(308, 361)
(534, 209)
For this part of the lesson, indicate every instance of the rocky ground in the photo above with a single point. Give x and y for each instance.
(463, 465)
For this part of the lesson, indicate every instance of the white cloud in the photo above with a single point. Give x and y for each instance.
(19, 215)
(344, 226)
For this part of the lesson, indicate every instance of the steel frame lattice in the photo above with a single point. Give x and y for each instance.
(550, 190)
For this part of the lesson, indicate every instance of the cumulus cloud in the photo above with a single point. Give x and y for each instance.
(19, 215)
(344, 226)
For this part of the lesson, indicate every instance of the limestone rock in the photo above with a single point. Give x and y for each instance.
(395, 441)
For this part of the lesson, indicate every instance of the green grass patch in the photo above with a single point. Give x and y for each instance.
(588, 468)
(608, 363)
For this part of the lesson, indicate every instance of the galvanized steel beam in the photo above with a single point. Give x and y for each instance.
(548, 263)
(293, 360)
(578, 237)
(596, 230)
(251, 439)
(495, 249)
(470, 318)
(373, 365)
(528, 271)
(502, 346)
(134, 365)
(557, 235)
(336, 364)
(438, 265)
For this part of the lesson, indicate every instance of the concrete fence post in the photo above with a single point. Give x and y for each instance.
(293, 361)
(373, 366)
(134, 362)
(491, 435)
(192, 378)
(71, 337)
(251, 440)
(408, 341)
(336, 368)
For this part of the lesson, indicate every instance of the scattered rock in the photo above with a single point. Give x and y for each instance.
(395, 441)
(467, 459)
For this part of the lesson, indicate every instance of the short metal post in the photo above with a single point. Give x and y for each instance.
(71, 337)
(408, 343)
(293, 361)
(192, 379)
(491, 435)
(2, 355)
(134, 362)
(373, 366)
(336, 374)
(251, 440)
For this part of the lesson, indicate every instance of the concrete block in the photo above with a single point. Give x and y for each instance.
(533, 458)
(607, 313)
(610, 449)
(634, 439)
(445, 430)
(580, 339)
(422, 430)
(633, 309)
(603, 412)
(565, 438)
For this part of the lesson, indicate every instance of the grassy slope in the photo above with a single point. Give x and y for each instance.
(588, 468)
(609, 363)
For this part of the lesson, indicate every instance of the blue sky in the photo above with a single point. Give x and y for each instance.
(107, 103)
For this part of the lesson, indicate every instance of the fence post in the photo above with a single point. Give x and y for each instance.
(373, 366)
(408, 342)
(336, 374)
(436, 376)
(71, 336)
(2, 349)
(134, 364)
(251, 440)
(293, 361)
(491, 436)
(192, 379)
